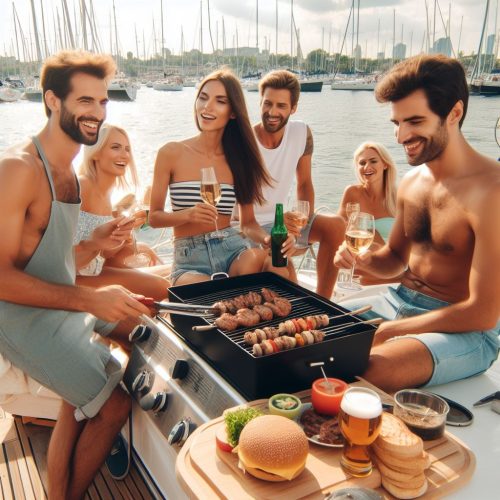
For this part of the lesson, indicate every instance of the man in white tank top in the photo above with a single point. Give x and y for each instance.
(287, 147)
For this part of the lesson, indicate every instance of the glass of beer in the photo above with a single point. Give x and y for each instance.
(360, 419)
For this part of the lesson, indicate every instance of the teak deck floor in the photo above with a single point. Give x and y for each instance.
(23, 467)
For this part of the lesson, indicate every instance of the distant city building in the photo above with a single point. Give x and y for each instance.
(442, 46)
(357, 52)
(241, 51)
(399, 51)
(490, 44)
(380, 56)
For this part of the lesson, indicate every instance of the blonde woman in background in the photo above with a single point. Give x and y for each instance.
(375, 193)
(102, 260)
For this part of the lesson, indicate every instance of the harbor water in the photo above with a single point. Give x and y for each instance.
(339, 120)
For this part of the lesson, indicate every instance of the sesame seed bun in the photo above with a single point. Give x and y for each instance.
(273, 448)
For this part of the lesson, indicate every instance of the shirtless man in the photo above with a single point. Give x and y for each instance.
(47, 323)
(287, 148)
(445, 238)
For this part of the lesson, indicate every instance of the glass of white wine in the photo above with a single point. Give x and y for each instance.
(210, 192)
(138, 258)
(358, 236)
(300, 216)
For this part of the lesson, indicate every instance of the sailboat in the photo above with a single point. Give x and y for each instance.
(120, 89)
(483, 83)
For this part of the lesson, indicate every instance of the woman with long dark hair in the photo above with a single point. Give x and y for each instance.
(204, 241)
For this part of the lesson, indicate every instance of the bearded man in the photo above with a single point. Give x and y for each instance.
(287, 147)
(47, 323)
(443, 318)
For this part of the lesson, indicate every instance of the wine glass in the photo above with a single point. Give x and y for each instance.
(300, 217)
(352, 207)
(358, 236)
(138, 258)
(211, 193)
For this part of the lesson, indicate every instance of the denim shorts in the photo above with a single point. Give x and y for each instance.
(206, 254)
(455, 355)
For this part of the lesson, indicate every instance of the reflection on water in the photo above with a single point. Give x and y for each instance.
(339, 120)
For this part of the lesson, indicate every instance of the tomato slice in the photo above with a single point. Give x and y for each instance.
(310, 325)
(297, 325)
(274, 346)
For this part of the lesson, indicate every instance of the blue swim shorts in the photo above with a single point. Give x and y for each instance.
(206, 254)
(455, 355)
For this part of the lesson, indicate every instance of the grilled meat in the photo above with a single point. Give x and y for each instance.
(264, 312)
(227, 322)
(268, 294)
(285, 342)
(247, 317)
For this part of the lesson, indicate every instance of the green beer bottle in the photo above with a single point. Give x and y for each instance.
(279, 234)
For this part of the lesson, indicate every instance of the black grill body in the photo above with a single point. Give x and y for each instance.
(344, 354)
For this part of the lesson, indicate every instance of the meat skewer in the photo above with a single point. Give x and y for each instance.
(296, 325)
(307, 337)
(247, 300)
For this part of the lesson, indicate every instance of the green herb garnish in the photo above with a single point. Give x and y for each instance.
(236, 420)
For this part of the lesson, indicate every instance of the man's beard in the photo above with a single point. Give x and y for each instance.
(69, 124)
(433, 147)
(274, 128)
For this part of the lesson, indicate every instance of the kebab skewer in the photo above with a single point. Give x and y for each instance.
(304, 338)
(296, 325)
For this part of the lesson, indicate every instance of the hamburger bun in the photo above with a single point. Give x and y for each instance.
(396, 439)
(405, 493)
(273, 448)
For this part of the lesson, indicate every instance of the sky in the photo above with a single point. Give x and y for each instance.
(321, 23)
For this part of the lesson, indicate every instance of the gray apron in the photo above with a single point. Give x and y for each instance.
(55, 347)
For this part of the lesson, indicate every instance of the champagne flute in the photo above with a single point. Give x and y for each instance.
(211, 193)
(300, 216)
(358, 236)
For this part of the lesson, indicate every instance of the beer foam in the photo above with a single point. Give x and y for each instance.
(359, 404)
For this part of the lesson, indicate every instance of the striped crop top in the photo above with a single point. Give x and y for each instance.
(187, 194)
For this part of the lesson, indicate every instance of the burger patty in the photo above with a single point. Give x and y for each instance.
(325, 426)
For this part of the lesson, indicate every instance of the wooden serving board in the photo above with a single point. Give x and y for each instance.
(206, 472)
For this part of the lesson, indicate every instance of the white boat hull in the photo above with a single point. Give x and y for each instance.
(8, 94)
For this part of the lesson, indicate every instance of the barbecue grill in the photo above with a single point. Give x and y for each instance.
(344, 352)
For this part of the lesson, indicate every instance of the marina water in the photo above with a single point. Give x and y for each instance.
(339, 120)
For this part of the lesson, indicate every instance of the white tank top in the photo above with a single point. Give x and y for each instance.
(281, 162)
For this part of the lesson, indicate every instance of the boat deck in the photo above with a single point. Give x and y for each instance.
(23, 473)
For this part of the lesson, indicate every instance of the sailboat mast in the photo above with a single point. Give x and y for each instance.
(291, 31)
(475, 69)
(35, 29)
(84, 24)
(276, 36)
(162, 39)
(43, 30)
(15, 30)
(68, 24)
(116, 36)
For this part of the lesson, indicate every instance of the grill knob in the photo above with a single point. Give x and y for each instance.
(180, 369)
(140, 333)
(143, 382)
(157, 403)
(180, 432)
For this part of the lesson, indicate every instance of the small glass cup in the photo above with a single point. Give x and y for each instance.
(360, 419)
(326, 395)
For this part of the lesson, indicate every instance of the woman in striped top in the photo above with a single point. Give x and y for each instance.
(226, 143)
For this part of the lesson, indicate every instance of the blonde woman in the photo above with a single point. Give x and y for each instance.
(101, 252)
(376, 191)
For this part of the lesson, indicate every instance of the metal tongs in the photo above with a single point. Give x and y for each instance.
(178, 307)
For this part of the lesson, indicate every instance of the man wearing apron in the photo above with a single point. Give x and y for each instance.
(47, 324)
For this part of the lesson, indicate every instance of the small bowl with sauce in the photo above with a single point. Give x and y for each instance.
(285, 405)
(326, 395)
(423, 412)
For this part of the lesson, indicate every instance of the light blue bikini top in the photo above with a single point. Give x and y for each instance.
(186, 194)
(384, 226)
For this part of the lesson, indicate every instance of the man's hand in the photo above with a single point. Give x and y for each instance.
(115, 303)
(292, 223)
(384, 333)
(344, 258)
(288, 247)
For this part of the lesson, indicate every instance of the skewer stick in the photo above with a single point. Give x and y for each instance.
(361, 310)
(374, 321)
